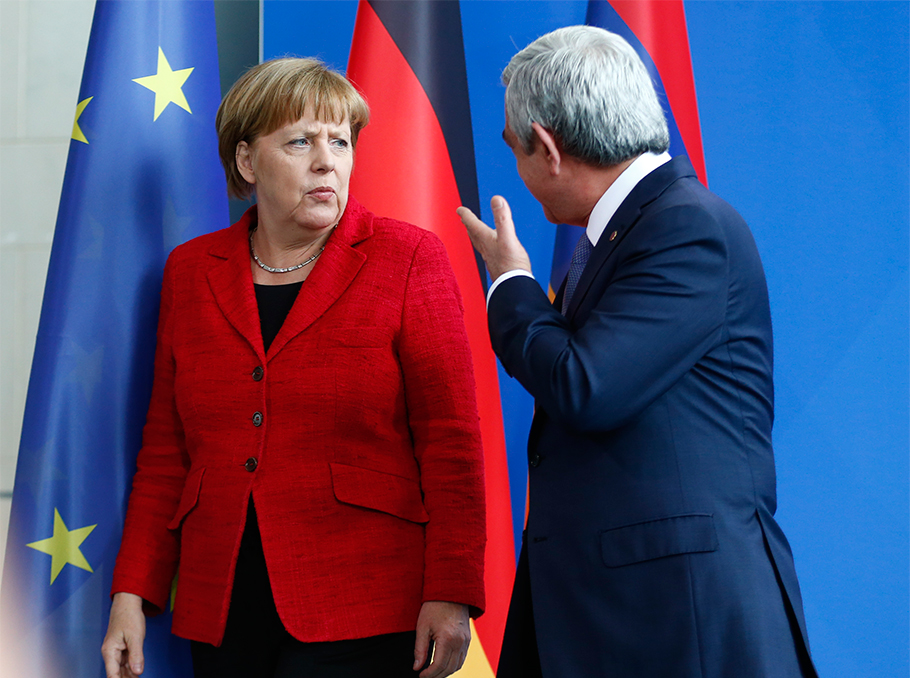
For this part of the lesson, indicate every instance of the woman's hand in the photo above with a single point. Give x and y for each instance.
(448, 626)
(122, 646)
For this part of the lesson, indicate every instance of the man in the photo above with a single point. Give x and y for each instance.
(651, 549)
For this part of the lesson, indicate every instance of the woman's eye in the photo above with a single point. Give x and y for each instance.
(340, 143)
(300, 142)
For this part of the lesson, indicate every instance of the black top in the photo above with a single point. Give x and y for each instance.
(251, 580)
(275, 302)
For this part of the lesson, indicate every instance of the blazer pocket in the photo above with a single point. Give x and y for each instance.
(189, 497)
(693, 533)
(400, 497)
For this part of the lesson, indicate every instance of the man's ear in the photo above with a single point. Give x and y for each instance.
(244, 160)
(550, 147)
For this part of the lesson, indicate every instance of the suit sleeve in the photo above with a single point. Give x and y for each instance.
(149, 551)
(662, 311)
(442, 413)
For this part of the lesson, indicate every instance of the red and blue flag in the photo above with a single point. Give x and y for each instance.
(656, 29)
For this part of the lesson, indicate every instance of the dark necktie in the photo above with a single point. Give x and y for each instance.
(579, 258)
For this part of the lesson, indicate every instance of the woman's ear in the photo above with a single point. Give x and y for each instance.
(244, 159)
(550, 147)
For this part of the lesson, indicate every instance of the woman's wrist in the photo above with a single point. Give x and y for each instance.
(122, 598)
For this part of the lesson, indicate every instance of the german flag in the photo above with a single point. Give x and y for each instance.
(415, 162)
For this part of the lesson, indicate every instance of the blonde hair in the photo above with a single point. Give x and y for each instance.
(278, 92)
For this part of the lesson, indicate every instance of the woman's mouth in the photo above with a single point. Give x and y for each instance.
(323, 193)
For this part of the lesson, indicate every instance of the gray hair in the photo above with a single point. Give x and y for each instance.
(591, 90)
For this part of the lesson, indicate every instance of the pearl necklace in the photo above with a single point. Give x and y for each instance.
(268, 268)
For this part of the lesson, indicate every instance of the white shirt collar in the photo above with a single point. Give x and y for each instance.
(619, 190)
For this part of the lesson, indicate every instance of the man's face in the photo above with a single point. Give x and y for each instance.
(534, 170)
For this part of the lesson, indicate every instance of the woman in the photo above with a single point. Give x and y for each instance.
(311, 462)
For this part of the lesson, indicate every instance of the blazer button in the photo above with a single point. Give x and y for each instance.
(535, 460)
(257, 373)
(251, 464)
(257, 419)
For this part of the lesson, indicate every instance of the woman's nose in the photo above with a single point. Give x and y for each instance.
(324, 160)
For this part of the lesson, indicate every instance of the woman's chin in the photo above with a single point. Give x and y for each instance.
(319, 220)
(320, 216)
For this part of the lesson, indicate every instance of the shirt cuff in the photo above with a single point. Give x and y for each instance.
(505, 276)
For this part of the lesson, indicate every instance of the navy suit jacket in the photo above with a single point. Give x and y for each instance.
(651, 543)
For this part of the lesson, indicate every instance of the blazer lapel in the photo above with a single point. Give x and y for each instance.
(333, 273)
(231, 281)
(647, 190)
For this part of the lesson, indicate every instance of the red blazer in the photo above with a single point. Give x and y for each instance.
(357, 434)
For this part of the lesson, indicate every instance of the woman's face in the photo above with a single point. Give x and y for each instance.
(301, 172)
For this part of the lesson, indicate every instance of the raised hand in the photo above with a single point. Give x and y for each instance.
(500, 249)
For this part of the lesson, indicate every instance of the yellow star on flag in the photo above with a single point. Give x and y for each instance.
(166, 85)
(63, 547)
(77, 131)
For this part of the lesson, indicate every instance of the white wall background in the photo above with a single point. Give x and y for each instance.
(42, 51)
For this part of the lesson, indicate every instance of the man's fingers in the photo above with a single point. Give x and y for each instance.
(467, 216)
(500, 248)
(502, 217)
(506, 238)
(481, 235)
(470, 220)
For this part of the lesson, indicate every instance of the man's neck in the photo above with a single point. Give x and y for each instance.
(593, 182)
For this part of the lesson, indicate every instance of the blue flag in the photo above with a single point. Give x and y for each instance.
(142, 176)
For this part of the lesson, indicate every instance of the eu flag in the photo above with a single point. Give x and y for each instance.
(142, 176)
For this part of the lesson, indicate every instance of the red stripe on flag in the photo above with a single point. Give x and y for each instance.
(660, 25)
(403, 170)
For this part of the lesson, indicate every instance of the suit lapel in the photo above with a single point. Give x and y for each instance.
(333, 273)
(625, 218)
(231, 281)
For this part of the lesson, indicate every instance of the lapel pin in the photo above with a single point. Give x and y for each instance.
(613, 236)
